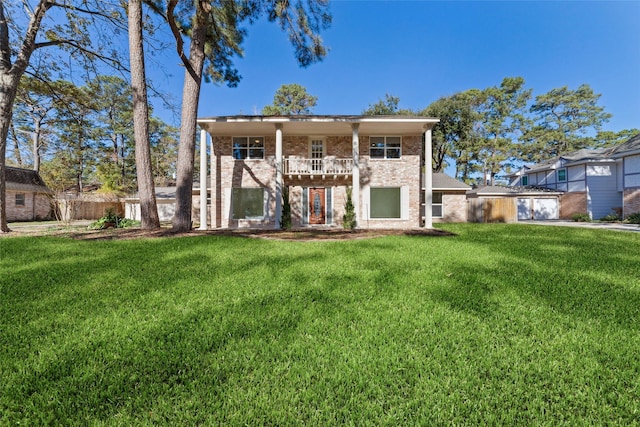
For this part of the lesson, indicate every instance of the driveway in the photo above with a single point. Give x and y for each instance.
(618, 226)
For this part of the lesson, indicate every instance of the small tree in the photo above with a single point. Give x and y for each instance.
(285, 219)
(349, 217)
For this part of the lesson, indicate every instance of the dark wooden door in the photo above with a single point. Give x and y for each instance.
(317, 214)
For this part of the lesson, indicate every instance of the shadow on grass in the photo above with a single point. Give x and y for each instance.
(589, 274)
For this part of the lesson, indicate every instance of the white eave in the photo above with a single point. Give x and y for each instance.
(316, 125)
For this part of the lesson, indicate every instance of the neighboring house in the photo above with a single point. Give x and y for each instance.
(496, 203)
(27, 196)
(166, 202)
(449, 203)
(381, 158)
(597, 182)
(627, 156)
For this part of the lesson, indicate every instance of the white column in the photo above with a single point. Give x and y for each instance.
(355, 152)
(428, 180)
(279, 176)
(203, 180)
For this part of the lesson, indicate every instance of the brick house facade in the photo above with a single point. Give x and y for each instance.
(252, 159)
(27, 196)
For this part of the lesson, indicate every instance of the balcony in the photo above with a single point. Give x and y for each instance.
(329, 166)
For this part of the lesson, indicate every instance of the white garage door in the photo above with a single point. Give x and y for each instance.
(524, 209)
(545, 208)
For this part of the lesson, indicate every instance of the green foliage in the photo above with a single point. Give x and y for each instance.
(633, 218)
(611, 139)
(285, 219)
(112, 220)
(386, 107)
(349, 217)
(291, 99)
(581, 217)
(497, 325)
(612, 217)
(563, 119)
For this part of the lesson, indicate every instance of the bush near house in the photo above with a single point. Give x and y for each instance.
(633, 218)
(581, 217)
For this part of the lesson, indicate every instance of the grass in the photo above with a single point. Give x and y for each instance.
(501, 324)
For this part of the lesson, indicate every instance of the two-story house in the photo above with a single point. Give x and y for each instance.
(254, 160)
(597, 181)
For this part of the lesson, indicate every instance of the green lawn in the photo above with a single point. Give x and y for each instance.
(500, 324)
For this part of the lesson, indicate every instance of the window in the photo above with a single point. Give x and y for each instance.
(385, 147)
(248, 147)
(20, 199)
(385, 203)
(562, 175)
(436, 204)
(525, 180)
(247, 203)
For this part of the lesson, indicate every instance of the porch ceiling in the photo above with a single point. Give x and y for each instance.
(316, 125)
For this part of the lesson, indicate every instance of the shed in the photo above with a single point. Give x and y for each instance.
(166, 201)
(496, 203)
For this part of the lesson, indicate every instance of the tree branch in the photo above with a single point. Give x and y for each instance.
(76, 45)
(171, 19)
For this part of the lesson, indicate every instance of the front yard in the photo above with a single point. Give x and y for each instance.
(498, 324)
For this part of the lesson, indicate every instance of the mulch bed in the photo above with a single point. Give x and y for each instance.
(297, 235)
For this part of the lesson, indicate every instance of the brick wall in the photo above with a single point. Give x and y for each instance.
(229, 173)
(454, 208)
(573, 203)
(631, 203)
(36, 206)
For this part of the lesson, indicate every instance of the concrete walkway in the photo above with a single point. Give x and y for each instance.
(618, 226)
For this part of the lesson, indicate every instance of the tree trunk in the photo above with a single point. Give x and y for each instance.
(36, 136)
(188, 124)
(9, 81)
(146, 189)
(8, 87)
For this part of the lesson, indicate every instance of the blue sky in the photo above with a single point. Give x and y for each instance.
(422, 50)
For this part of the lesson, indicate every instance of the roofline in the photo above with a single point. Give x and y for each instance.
(319, 119)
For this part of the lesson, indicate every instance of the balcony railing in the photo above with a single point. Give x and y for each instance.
(298, 166)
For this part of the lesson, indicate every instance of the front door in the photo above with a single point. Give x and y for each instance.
(317, 210)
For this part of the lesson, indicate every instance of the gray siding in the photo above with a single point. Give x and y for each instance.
(602, 195)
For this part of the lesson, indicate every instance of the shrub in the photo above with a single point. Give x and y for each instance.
(581, 217)
(349, 217)
(612, 217)
(112, 220)
(633, 218)
(285, 219)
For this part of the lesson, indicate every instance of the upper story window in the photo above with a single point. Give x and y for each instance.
(562, 175)
(248, 147)
(525, 180)
(385, 147)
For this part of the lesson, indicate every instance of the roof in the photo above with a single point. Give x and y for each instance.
(574, 157)
(632, 146)
(501, 190)
(443, 181)
(20, 179)
(305, 125)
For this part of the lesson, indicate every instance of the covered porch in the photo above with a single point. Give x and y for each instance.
(334, 152)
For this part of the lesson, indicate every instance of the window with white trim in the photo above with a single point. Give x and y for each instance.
(385, 203)
(525, 180)
(385, 147)
(436, 204)
(247, 203)
(248, 147)
(562, 175)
